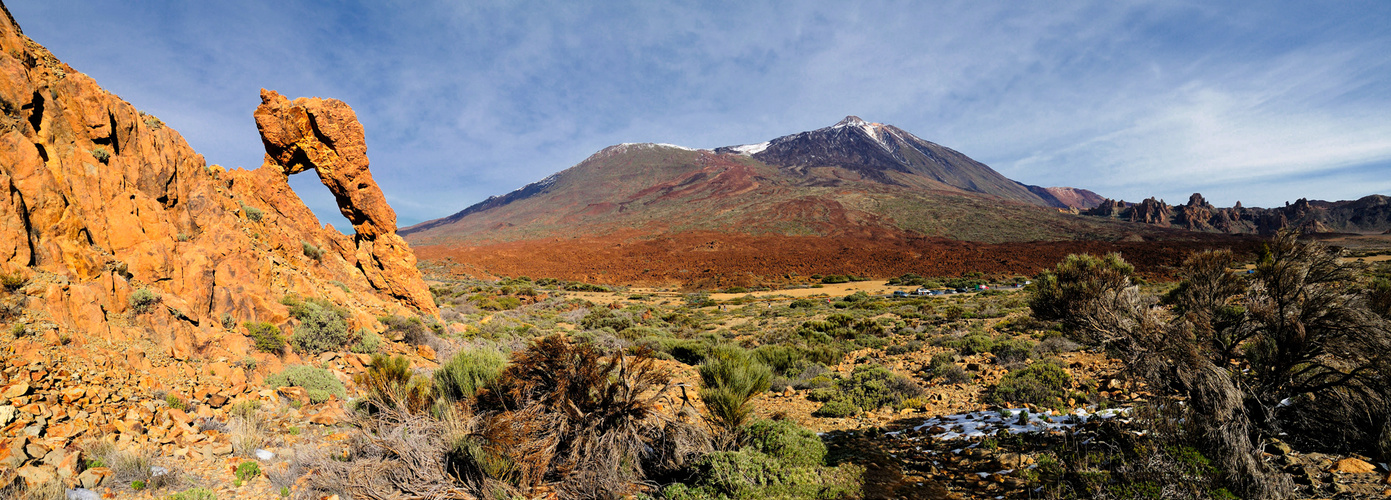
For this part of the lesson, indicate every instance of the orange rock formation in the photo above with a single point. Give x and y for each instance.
(99, 200)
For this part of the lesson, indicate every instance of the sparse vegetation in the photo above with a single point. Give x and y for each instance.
(101, 154)
(318, 382)
(252, 214)
(312, 251)
(266, 336)
(322, 327)
(142, 299)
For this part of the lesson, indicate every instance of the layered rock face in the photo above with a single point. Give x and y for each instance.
(99, 200)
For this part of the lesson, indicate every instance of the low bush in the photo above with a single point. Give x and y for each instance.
(367, 342)
(943, 366)
(266, 336)
(389, 382)
(253, 214)
(12, 281)
(318, 382)
(869, 387)
(463, 375)
(312, 251)
(195, 494)
(101, 154)
(780, 460)
(1012, 351)
(141, 300)
(323, 326)
(1043, 383)
(729, 379)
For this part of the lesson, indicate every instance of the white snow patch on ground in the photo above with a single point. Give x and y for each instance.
(991, 423)
(751, 149)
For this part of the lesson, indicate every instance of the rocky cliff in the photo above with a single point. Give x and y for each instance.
(99, 200)
(1370, 214)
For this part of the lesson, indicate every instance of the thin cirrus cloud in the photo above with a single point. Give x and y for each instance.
(1260, 102)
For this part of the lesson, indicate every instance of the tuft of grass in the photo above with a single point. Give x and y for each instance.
(729, 379)
(12, 281)
(101, 154)
(468, 371)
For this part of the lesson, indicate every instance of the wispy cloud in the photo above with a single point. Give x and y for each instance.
(1258, 101)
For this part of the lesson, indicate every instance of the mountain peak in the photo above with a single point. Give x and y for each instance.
(851, 121)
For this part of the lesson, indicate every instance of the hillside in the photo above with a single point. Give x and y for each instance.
(853, 179)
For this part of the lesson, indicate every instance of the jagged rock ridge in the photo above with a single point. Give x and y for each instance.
(99, 200)
(1369, 214)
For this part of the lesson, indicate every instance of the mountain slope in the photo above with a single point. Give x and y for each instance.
(852, 179)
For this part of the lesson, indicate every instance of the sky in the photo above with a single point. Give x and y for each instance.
(1259, 102)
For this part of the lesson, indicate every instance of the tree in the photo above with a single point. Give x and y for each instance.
(1294, 348)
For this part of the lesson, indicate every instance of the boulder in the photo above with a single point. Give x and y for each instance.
(1352, 466)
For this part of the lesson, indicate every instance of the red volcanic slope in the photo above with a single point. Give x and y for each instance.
(706, 259)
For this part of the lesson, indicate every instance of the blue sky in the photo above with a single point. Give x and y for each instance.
(1262, 102)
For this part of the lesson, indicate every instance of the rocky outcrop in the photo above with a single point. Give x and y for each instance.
(1150, 211)
(1370, 214)
(99, 200)
(324, 135)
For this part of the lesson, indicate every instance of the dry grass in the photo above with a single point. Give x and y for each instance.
(249, 432)
(399, 455)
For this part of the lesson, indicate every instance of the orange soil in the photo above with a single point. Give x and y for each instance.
(714, 260)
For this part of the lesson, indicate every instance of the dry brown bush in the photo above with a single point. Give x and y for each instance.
(1292, 349)
(586, 423)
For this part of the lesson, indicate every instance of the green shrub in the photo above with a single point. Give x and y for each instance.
(1044, 384)
(410, 329)
(318, 382)
(267, 337)
(943, 366)
(1010, 351)
(688, 351)
(12, 281)
(141, 300)
(785, 441)
(803, 303)
(869, 387)
(311, 251)
(389, 381)
(837, 408)
(468, 371)
(729, 379)
(194, 494)
(248, 470)
(101, 154)
(323, 326)
(780, 460)
(368, 342)
(603, 317)
(253, 214)
(175, 402)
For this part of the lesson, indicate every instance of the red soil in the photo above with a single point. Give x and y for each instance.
(706, 260)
